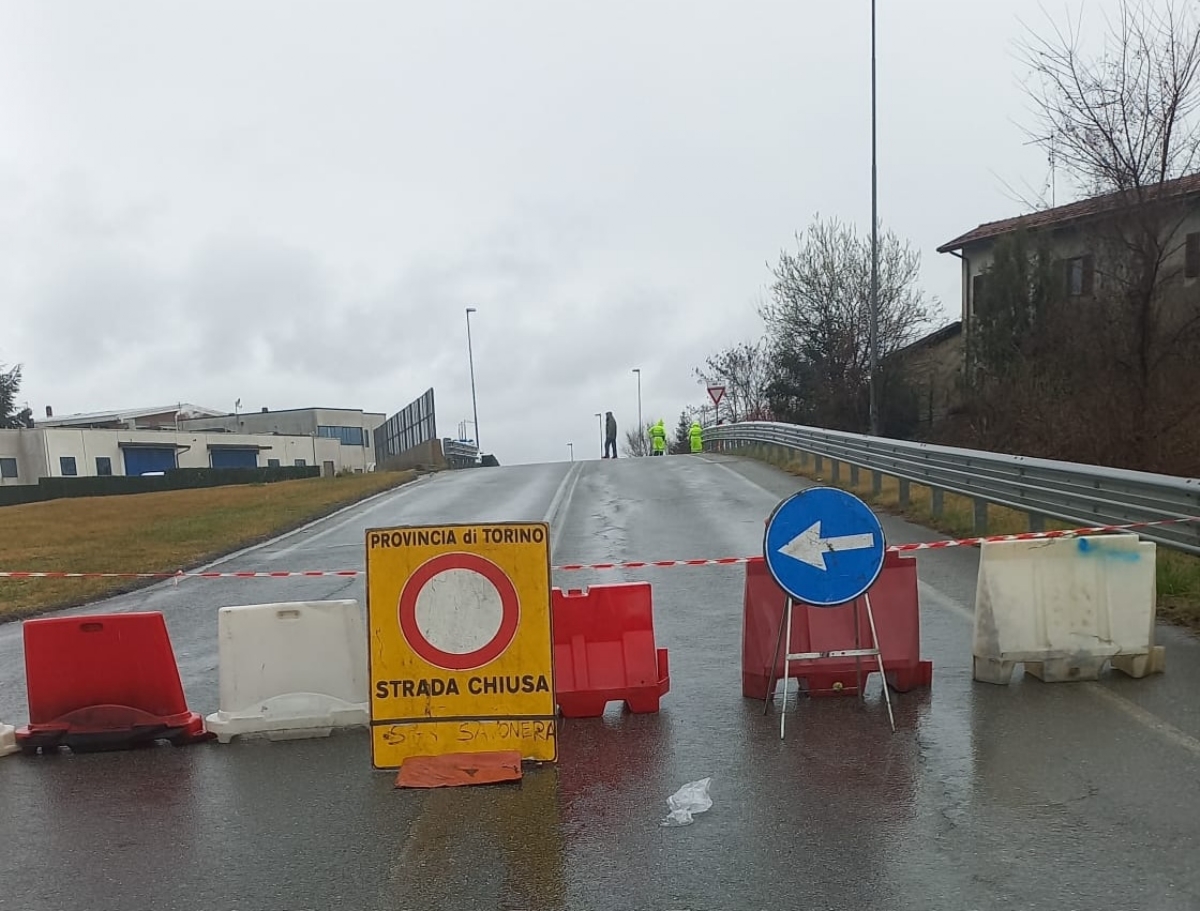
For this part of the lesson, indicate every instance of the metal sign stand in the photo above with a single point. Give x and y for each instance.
(857, 653)
(825, 548)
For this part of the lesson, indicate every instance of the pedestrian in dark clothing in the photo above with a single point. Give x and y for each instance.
(610, 435)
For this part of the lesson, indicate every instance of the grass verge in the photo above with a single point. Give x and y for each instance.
(1178, 573)
(156, 532)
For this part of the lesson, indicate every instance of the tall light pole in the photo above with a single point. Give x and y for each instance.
(471, 359)
(641, 426)
(874, 391)
(601, 417)
(571, 446)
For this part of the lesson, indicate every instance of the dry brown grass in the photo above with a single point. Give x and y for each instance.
(155, 532)
(1178, 573)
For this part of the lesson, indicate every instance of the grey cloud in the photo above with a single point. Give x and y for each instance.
(292, 204)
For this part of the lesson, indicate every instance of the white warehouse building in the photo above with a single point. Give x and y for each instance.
(151, 440)
(28, 455)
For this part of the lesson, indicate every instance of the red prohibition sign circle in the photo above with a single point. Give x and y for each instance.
(455, 661)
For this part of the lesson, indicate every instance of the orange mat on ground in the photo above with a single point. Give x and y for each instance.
(457, 769)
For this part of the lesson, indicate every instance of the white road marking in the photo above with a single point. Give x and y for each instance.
(1145, 717)
(1131, 709)
(561, 503)
(397, 493)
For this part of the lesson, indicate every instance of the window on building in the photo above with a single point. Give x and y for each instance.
(976, 293)
(976, 286)
(347, 436)
(8, 468)
(103, 466)
(272, 463)
(66, 465)
(1081, 274)
(1191, 266)
(301, 463)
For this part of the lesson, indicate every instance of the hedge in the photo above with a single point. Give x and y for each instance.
(175, 479)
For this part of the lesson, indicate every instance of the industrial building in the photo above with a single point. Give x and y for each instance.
(151, 440)
(164, 417)
(352, 428)
(30, 454)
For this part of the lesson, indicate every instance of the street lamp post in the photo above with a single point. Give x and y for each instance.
(471, 359)
(641, 426)
(874, 339)
(571, 446)
(601, 417)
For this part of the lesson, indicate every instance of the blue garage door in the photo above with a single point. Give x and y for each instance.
(140, 461)
(234, 458)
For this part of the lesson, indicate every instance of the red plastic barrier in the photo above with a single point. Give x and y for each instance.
(604, 650)
(104, 682)
(821, 629)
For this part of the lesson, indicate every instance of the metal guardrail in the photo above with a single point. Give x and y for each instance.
(1070, 492)
(460, 454)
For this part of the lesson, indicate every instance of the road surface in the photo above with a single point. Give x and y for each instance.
(1024, 797)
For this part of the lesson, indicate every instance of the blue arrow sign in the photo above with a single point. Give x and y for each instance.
(824, 546)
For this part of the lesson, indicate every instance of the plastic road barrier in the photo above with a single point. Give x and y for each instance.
(1066, 608)
(291, 670)
(604, 650)
(106, 681)
(823, 629)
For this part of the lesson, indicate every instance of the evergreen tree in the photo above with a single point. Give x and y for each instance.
(682, 442)
(10, 385)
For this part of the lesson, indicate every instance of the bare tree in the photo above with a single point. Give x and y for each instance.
(1123, 119)
(818, 320)
(744, 370)
(637, 445)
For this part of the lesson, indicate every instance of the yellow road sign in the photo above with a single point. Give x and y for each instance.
(461, 651)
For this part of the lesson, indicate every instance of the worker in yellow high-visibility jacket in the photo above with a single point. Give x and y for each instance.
(696, 437)
(658, 438)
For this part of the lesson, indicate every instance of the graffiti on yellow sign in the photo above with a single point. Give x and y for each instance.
(461, 651)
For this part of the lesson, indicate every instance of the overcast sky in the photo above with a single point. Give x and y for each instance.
(292, 203)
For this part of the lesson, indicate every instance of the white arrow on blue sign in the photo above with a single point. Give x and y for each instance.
(824, 546)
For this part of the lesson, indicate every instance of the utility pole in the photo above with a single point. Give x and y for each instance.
(471, 359)
(641, 426)
(874, 390)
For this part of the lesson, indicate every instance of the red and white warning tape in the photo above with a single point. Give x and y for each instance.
(1038, 535)
(631, 564)
(274, 574)
(904, 548)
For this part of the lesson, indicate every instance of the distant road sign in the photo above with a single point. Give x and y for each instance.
(460, 648)
(824, 546)
(716, 393)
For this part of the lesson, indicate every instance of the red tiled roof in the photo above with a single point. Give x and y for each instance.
(1182, 186)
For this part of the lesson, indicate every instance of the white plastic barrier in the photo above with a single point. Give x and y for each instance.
(291, 670)
(1065, 607)
(8, 739)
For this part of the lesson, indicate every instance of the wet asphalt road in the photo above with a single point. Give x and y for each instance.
(1026, 797)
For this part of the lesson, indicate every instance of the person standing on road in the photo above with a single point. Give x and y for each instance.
(696, 436)
(658, 438)
(610, 434)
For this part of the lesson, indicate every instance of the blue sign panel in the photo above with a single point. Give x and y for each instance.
(824, 546)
